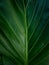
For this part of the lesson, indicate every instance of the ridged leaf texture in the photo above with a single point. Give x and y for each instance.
(24, 32)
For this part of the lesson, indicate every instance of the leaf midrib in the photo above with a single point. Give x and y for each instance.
(26, 37)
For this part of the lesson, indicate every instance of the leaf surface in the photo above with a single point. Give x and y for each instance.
(24, 32)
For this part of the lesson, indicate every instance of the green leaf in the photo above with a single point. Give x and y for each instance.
(24, 32)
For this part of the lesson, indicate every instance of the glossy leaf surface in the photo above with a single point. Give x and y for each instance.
(24, 32)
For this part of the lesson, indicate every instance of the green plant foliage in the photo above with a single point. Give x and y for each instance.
(24, 32)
